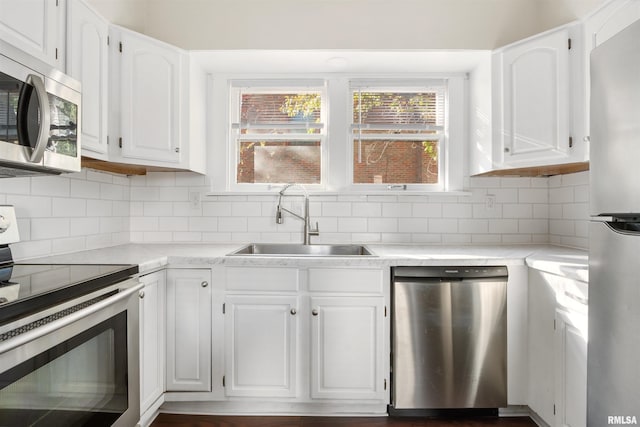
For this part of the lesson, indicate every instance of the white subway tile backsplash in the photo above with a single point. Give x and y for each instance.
(158, 209)
(396, 210)
(443, 225)
(382, 225)
(67, 207)
(457, 210)
(96, 209)
(517, 210)
(30, 206)
(352, 225)
(49, 228)
(50, 186)
(533, 195)
(413, 225)
(339, 209)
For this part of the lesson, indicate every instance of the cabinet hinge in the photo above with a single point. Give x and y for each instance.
(120, 142)
(569, 43)
(570, 142)
(224, 307)
(223, 381)
(120, 47)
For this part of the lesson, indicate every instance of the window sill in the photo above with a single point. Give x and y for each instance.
(457, 193)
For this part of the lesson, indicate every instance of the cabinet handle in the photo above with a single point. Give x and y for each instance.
(141, 294)
(293, 311)
(204, 284)
(314, 312)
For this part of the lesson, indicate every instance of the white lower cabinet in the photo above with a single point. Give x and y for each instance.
(152, 342)
(261, 345)
(557, 349)
(346, 339)
(571, 368)
(188, 330)
(310, 336)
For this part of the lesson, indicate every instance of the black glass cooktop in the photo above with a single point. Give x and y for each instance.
(28, 288)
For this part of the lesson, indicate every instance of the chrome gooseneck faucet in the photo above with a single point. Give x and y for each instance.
(308, 231)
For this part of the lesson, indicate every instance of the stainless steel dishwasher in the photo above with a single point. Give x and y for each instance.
(449, 338)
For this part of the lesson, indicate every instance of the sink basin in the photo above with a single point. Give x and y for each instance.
(295, 249)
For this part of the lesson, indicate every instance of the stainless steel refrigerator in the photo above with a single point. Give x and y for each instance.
(613, 373)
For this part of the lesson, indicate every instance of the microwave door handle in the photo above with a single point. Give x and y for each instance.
(45, 118)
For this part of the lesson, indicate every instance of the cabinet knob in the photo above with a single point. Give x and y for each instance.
(507, 149)
(293, 311)
(204, 284)
(314, 312)
(141, 294)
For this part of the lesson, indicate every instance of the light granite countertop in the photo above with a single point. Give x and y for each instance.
(563, 261)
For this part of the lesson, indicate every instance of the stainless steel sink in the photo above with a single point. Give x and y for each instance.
(294, 249)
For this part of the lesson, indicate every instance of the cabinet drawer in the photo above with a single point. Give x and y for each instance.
(262, 279)
(345, 280)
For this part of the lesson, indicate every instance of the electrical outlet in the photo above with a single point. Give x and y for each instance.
(195, 199)
(490, 201)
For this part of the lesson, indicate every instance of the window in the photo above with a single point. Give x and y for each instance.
(278, 133)
(397, 133)
(339, 133)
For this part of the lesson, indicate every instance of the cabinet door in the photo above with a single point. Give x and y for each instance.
(347, 348)
(260, 345)
(152, 342)
(542, 304)
(150, 79)
(36, 27)
(87, 61)
(571, 369)
(188, 330)
(535, 91)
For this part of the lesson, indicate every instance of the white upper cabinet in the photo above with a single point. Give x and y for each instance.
(532, 104)
(151, 98)
(35, 26)
(88, 61)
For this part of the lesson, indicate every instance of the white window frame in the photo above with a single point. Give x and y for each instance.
(400, 85)
(336, 149)
(236, 88)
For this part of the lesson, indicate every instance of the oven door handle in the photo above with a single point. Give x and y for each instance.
(55, 325)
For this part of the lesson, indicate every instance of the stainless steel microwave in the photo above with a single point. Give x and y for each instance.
(39, 117)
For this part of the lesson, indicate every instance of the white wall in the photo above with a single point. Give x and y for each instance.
(341, 24)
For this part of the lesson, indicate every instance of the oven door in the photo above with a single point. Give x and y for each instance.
(79, 370)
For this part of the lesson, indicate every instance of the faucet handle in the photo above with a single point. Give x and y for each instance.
(315, 231)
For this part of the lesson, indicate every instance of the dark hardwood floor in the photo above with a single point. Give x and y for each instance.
(173, 420)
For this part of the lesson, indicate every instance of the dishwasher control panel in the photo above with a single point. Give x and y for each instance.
(456, 272)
